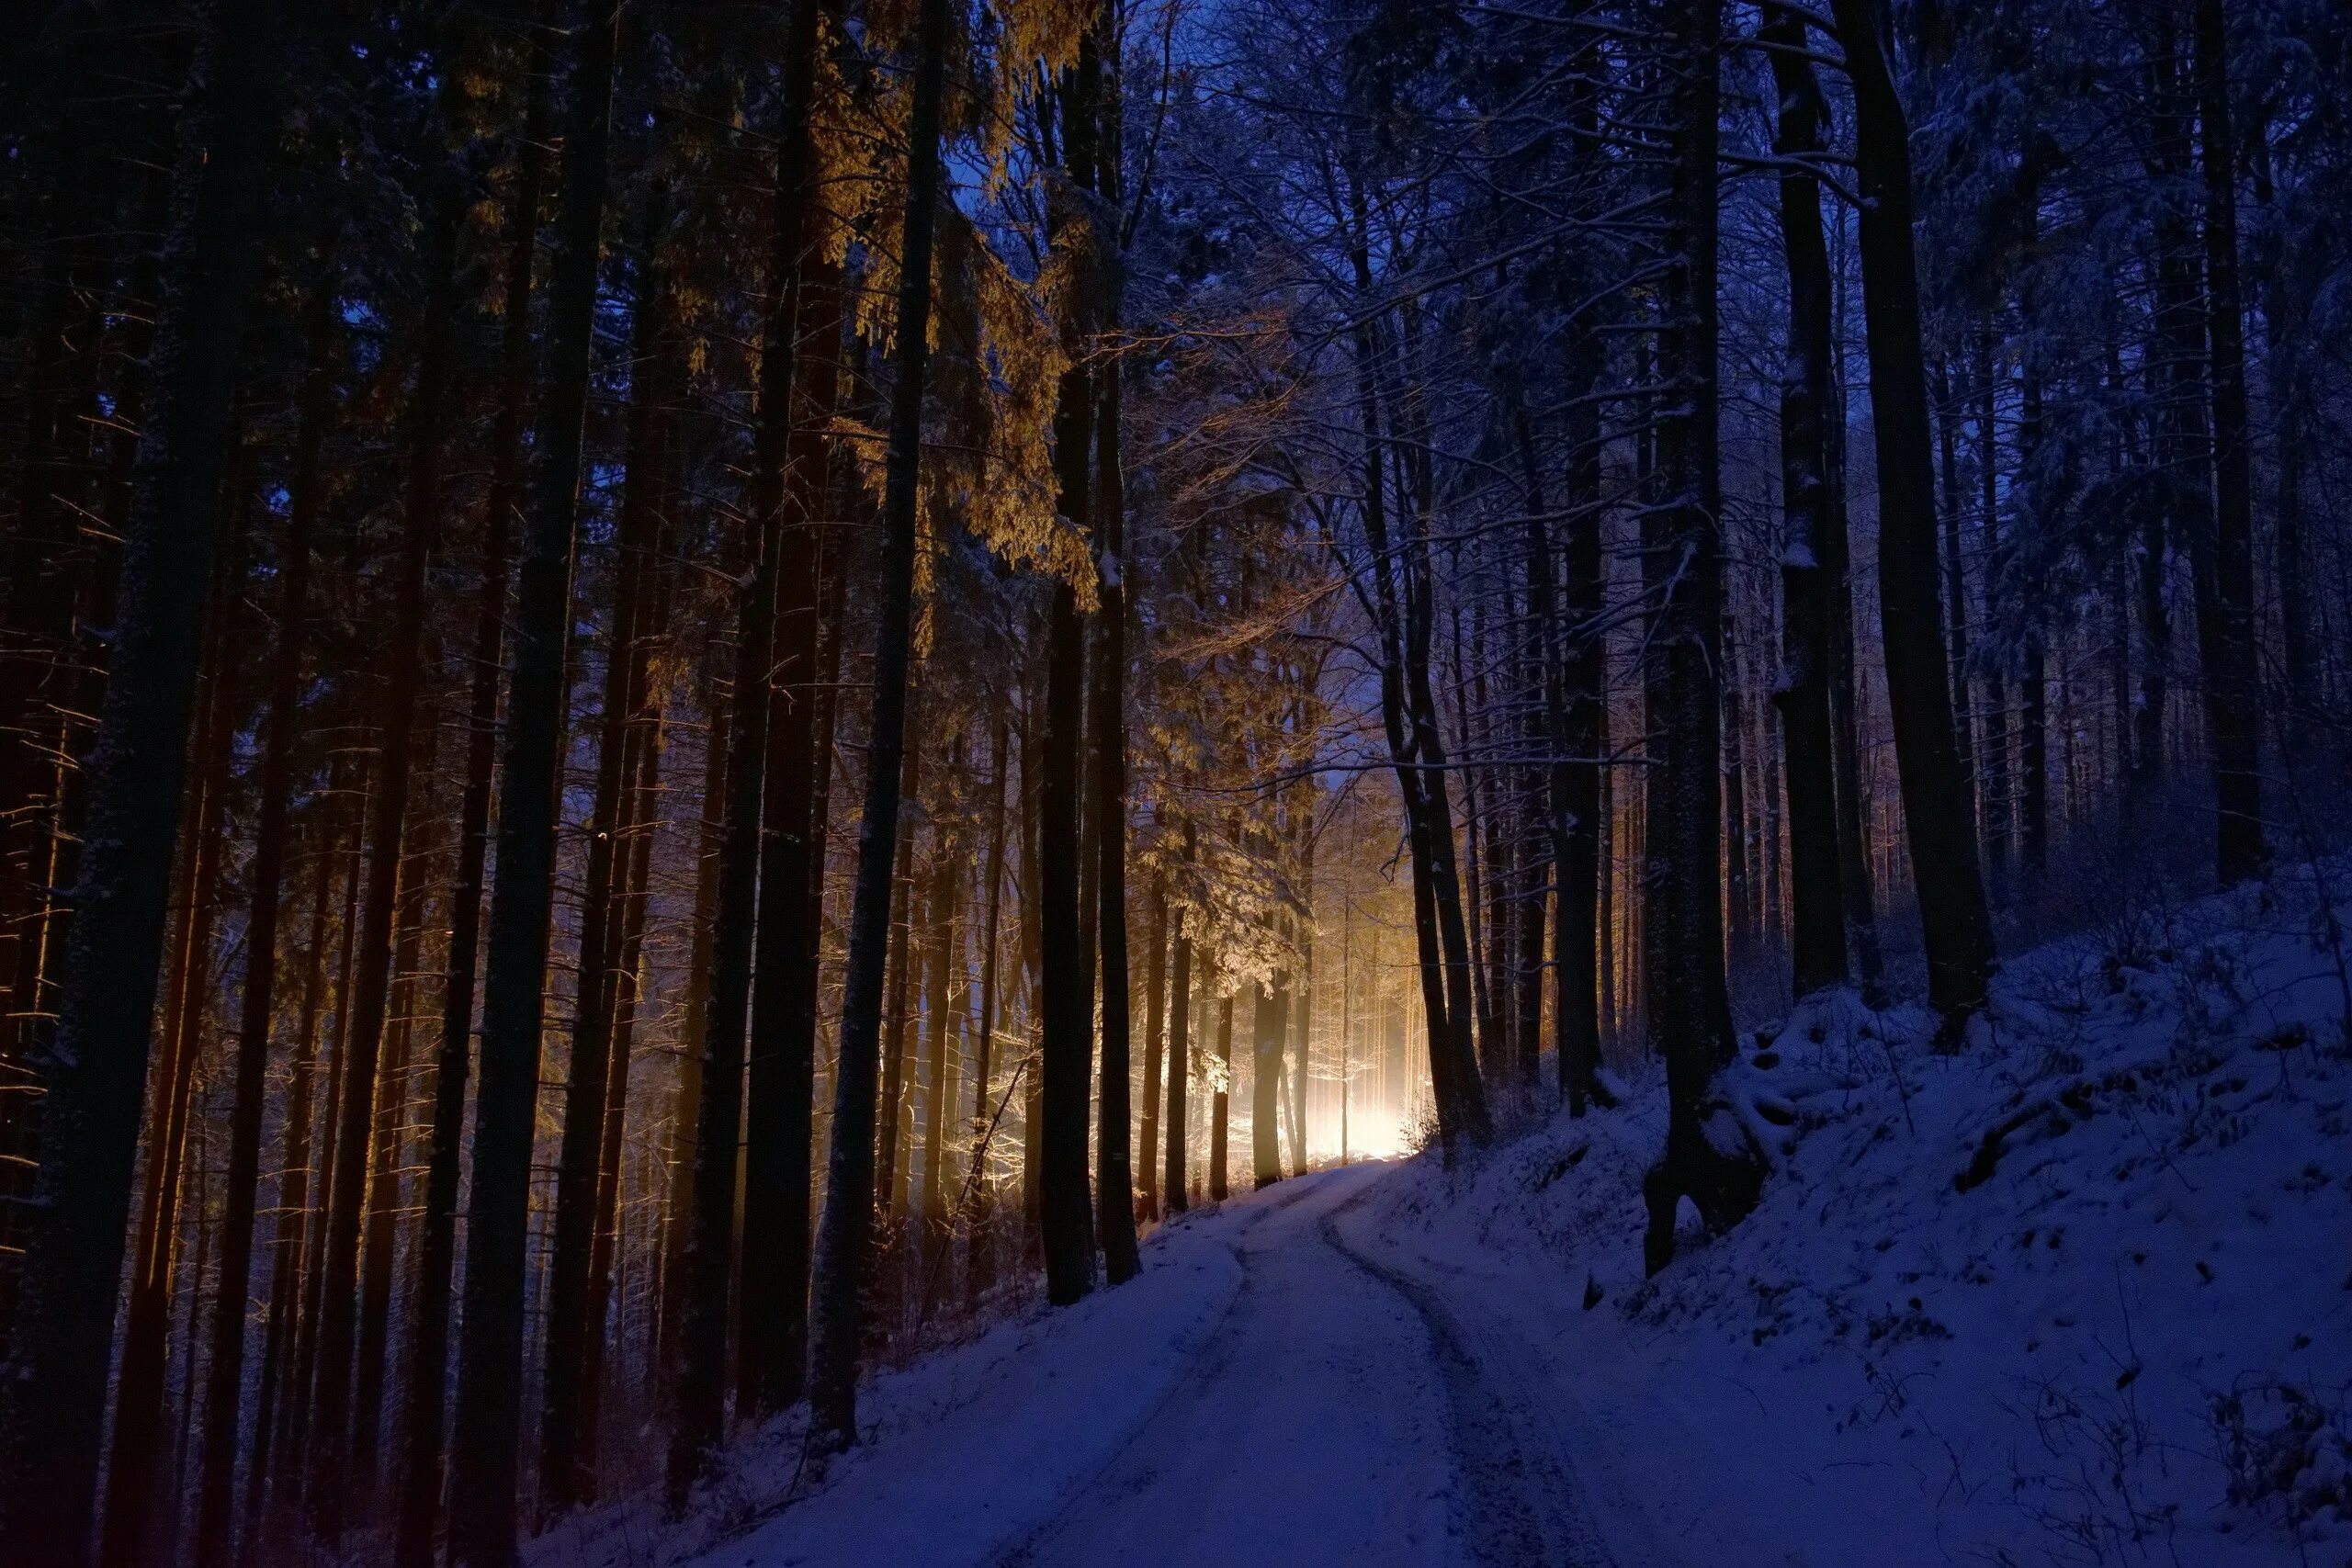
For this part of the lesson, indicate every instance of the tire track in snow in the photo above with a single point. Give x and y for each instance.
(1215, 1353)
(1512, 1507)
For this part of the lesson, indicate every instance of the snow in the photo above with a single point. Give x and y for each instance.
(2119, 1332)
(2131, 1340)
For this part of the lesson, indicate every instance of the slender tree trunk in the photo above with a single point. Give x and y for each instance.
(771, 1311)
(981, 1259)
(890, 1177)
(1943, 851)
(1179, 1054)
(224, 1382)
(425, 1426)
(1689, 1008)
(1155, 1012)
(135, 1461)
(1066, 975)
(314, 1237)
(483, 1493)
(1219, 1111)
(940, 946)
(567, 1445)
(342, 1455)
(293, 1187)
(52, 1403)
(2224, 560)
(694, 1028)
(1803, 691)
(1114, 1208)
(1265, 1080)
(836, 1321)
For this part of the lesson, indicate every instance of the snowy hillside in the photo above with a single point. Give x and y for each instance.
(2082, 1293)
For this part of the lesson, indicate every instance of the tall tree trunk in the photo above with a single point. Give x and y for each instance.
(293, 1184)
(685, 1111)
(425, 1426)
(1155, 1014)
(335, 1479)
(940, 949)
(567, 1444)
(1803, 691)
(981, 1258)
(1690, 1009)
(771, 1298)
(890, 1177)
(388, 1157)
(224, 1381)
(1408, 717)
(1955, 577)
(1114, 1206)
(52, 1403)
(1219, 1110)
(1180, 1052)
(1943, 849)
(702, 1386)
(1265, 1081)
(1066, 974)
(135, 1461)
(1993, 797)
(314, 1233)
(843, 1233)
(2225, 559)
(484, 1492)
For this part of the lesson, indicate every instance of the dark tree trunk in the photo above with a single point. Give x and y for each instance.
(306, 1341)
(1803, 691)
(484, 1492)
(1066, 974)
(224, 1379)
(890, 1175)
(2223, 560)
(567, 1441)
(685, 1111)
(702, 1385)
(1419, 758)
(1220, 1117)
(1067, 1004)
(135, 1461)
(425, 1426)
(1265, 1079)
(1690, 1010)
(1155, 1014)
(1943, 849)
(1115, 1207)
(981, 1259)
(940, 950)
(771, 1298)
(1180, 1057)
(836, 1324)
(1955, 577)
(52, 1403)
(342, 1454)
(293, 1190)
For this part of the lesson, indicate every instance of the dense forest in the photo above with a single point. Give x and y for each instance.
(694, 697)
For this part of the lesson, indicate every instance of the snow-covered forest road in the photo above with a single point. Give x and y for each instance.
(1279, 1386)
(1338, 1414)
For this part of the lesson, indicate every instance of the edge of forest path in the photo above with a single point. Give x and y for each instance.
(947, 1472)
(1573, 1384)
